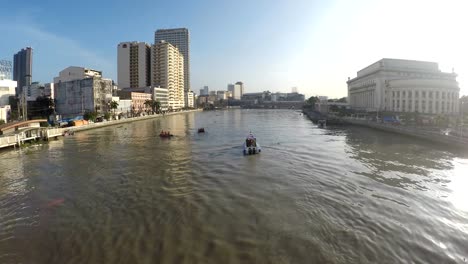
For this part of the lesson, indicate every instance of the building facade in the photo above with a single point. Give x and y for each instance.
(7, 89)
(76, 73)
(180, 38)
(138, 100)
(204, 90)
(133, 64)
(241, 86)
(236, 90)
(404, 86)
(76, 97)
(168, 72)
(161, 95)
(5, 112)
(22, 68)
(190, 99)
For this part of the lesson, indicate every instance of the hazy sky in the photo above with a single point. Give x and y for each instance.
(268, 44)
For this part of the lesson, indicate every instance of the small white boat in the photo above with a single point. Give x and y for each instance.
(251, 146)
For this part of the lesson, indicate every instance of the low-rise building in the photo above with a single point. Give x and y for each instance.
(190, 99)
(5, 112)
(7, 89)
(73, 98)
(221, 95)
(138, 100)
(157, 93)
(76, 73)
(404, 86)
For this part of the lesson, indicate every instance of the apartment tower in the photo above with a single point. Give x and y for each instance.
(133, 64)
(178, 37)
(167, 64)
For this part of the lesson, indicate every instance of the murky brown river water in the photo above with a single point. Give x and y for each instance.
(337, 195)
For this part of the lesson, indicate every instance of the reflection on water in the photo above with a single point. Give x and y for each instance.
(335, 195)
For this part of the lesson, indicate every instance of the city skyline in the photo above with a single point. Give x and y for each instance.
(314, 46)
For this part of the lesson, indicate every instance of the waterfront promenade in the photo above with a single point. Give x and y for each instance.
(43, 133)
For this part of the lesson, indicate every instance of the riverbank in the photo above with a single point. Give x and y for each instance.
(15, 140)
(126, 120)
(433, 136)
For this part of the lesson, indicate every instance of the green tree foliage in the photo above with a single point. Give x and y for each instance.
(310, 103)
(2, 121)
(90, 116)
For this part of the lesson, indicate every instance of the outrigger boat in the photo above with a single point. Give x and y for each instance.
(251, 146)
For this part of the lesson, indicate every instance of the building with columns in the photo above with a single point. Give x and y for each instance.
(404, 86)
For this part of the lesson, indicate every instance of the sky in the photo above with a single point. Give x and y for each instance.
(267, 44)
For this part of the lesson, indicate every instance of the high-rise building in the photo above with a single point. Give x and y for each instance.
(204, 90)
(178, 37)
(22, 68)
(133, 64)
(236, 90)
(167, 64)
(241, 85)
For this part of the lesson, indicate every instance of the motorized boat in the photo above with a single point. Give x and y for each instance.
(201, 130)
(165, 134)
(251, 146)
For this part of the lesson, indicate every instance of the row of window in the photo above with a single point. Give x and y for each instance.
(430, 94)
(449, 107)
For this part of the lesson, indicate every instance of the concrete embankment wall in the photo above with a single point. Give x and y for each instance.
(426, 135)
(122, 121)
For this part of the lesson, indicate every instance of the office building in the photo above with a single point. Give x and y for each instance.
(241, 86)
(22, 68)
(236, 90)
(168, 72)
(178, 37)
(204, 90)
(404, 86)
(133, 64)
(76, 73)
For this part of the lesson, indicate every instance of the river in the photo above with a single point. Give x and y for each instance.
(121, 194)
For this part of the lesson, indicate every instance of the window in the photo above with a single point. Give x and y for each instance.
(416, 94)
(410, 94)
(423, 94)
(398, 94)
(430, 94)
(437, 95)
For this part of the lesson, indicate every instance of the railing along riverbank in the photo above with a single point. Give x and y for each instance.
(46, 134)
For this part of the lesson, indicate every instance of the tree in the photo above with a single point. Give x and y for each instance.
(2, 121)
(113, 105)
(310, 103)
(90, 116)
(342, 100)
(154, 105)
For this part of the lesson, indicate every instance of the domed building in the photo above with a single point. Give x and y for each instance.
(404, 86)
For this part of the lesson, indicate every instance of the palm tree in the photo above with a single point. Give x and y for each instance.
(113, 105)
(148, 104)
(156, 105)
